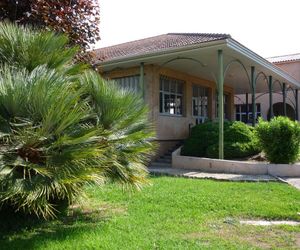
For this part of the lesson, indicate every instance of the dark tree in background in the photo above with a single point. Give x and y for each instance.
(79, 19)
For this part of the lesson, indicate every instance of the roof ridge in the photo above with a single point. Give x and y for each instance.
(294, 54)
(197, 33)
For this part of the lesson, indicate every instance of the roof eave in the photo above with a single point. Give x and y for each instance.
(231, 43)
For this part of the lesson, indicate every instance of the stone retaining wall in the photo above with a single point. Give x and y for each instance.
(233, 167)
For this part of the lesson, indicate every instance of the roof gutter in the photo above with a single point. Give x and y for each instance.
(231, 43)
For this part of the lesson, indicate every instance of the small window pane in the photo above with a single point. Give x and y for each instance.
(195, 107)
(243, 107)
(178, 105)
(195, 91)
(179, 88)
(166, 103)
(166, 85)
(244, 118)
(258, 107)
(160, 102)
(200, 97)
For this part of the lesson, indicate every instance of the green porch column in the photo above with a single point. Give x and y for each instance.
(142, 83)
(247, 107)
(221, 103)
(296, 104)
(284, 98)
(253, 90)
(271, 97)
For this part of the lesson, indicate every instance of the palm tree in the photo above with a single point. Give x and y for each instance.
(62, 128)
(28, 48)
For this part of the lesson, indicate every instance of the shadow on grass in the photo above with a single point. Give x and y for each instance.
(19, 231)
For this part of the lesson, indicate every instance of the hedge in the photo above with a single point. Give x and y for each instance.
(239, 141)
(279, 139)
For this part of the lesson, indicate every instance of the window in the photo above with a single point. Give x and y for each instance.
(200, 101)
(241, 112)
(129, 82)
(170, 96)
(226, 99)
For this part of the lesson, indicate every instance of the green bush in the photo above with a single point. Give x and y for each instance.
(279, 139)
(233, 150)
(201, 137)
(239, 141)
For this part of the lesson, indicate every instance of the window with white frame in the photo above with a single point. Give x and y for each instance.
(241, 112)
(171, 96)
(129, 82)
(226, 99)
(200, 102)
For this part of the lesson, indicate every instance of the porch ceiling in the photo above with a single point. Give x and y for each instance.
(201, 60)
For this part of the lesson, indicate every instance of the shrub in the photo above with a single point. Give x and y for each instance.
(201, 137)
(239, 141)
(233, 150)
(62, 128)
(279, 139)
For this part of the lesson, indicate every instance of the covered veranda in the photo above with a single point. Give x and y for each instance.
(223, 61)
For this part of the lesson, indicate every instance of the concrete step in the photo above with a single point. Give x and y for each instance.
(165, 160)
(166, 157)
(160, 165)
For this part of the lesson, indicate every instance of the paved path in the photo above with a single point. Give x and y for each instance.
(295, 182)
(215, 176)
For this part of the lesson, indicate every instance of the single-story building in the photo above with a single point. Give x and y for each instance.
(184, 77)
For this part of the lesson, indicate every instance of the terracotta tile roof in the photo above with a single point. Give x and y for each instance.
(154, 44)
(285, 58)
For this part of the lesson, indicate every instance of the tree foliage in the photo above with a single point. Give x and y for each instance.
(78, 19)
(279, 139)
(62, 127)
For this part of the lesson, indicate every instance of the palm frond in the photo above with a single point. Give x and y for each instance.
(60, 130)
(25, 47)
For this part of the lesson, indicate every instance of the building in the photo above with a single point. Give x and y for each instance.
(184, 77)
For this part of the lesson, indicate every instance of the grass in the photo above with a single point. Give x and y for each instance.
(172, 213)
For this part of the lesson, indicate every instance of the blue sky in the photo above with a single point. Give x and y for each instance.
(267, 27)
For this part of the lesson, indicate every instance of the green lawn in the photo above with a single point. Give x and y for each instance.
(172, 213)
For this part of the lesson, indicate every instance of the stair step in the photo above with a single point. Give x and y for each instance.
(164, 160)
(160, 165)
